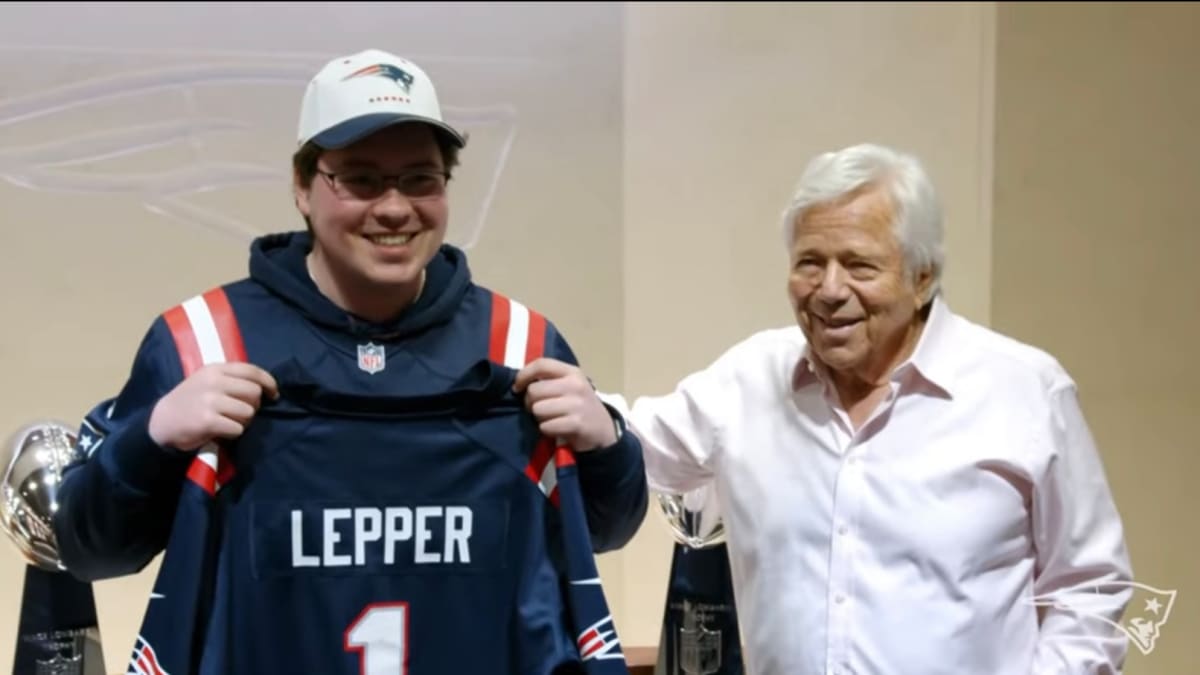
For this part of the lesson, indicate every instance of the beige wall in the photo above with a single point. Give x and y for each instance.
(723, 106)
(1095, 246)
(640, 130)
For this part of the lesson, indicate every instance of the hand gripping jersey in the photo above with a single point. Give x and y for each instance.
(375, 535)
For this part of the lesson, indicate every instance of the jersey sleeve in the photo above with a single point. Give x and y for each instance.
(117, 503)
(612, 479)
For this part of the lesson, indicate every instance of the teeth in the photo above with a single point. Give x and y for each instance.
(391, 239)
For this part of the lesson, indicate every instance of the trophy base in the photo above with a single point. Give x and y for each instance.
(700, 633)
(58, 633)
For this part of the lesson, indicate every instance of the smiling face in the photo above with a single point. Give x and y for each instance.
(853, 296)
(371, 246)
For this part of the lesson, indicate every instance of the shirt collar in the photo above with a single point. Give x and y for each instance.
(931, 361)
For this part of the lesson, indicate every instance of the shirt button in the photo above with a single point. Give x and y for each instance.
(839, 598)
(852, 460)
(843, 530)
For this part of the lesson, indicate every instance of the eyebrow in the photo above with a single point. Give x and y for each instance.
(869, 253)
(367, 164)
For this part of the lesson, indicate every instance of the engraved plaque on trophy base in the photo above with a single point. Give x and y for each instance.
(58, 632)
(700, 627)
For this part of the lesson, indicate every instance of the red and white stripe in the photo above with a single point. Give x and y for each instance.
(206, 331)
(600, 641)
(544, 464)
(518, 336)
(542, 471)
(145, 661)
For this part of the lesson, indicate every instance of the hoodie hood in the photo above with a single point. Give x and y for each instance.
(277, 261)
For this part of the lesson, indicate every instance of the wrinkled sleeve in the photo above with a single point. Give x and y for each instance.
(681, 431)
(116, 504)
(1083, 577)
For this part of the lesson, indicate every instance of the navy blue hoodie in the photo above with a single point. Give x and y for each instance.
(117, 506)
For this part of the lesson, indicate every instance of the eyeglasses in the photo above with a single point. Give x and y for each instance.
(368, 185)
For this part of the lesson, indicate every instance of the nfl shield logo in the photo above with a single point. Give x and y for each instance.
(699, 651)
(371, 358)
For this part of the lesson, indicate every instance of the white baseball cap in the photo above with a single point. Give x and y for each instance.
(356, 95)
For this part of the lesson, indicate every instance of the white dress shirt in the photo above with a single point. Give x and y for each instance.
(916, 545)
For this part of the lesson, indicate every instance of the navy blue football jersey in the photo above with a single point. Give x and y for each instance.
(353, 532)
(374, 535)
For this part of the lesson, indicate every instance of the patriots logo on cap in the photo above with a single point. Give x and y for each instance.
(394, 73)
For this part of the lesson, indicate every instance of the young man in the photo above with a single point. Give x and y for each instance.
(369, 303)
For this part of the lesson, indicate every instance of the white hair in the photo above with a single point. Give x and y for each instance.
(918, 211)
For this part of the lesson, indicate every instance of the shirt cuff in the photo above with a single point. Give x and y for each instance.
(133, 460)
(612, 459)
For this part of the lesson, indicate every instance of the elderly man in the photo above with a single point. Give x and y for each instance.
(905, 491)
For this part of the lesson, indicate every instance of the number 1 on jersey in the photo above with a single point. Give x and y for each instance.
(380, 636)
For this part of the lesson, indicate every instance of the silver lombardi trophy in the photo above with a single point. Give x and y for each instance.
(700, 629)
(58, 632)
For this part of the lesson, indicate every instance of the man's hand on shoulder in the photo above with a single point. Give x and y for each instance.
(565, 404)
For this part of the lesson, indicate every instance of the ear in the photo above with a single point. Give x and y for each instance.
(300, 194)
(923, 284)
